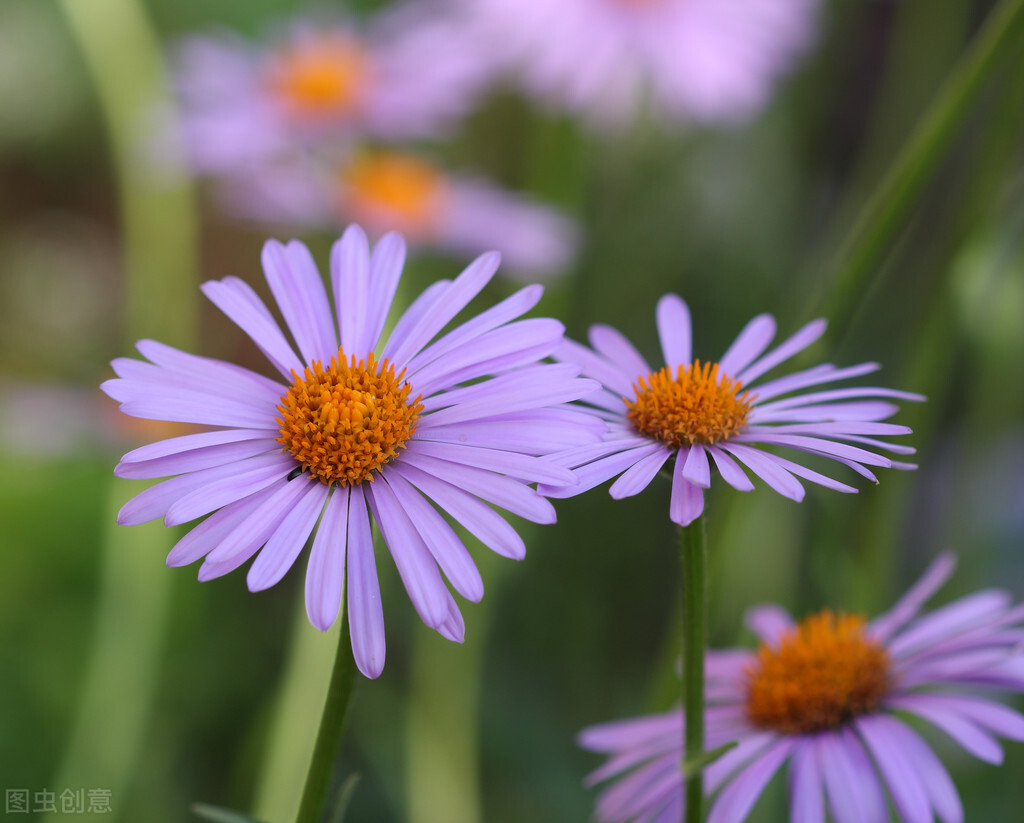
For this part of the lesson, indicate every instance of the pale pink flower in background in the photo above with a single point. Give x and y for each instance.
(830, 695)
(693, 60)
(432, 207)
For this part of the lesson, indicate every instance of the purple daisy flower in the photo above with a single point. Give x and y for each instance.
(692, 60)
(350, 433)
(718, 413)
(828, 695)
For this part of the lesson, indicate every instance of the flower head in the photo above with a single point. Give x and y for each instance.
(363, 425)
(828, 696)
(718, 412)
(691, 60)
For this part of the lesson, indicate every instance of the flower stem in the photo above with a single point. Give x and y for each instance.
(694, 559)
(332, 726)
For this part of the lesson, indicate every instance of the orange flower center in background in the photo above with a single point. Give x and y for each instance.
(319, 77)
(343, 422)
(824, 673)
(402, 190)
(696, 406)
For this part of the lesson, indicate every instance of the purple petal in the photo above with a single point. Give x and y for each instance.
(297, 287)
(741, 793)
(769, 623)
(386, 263)
(954, 618)
(520, 466)
(766, 466)
(218, 376)
(185, 443)
(907, 607)
(807, 804)
(416, 567)
(453, 627)
(196, 459)
(613, 345)
(365, 614)
(963, 731)
(350, 281)
(886, 741)
(852, 785)
(730, 470)
(608, 373)
(206, 536)
(597, 472)
(163, 402)
(687, 501)
(696, 468)
(489, 527)
(639, 476)
(824, 373)
(284, 545)
(752, 340)
(797, 343)
(815, 445)
(535, 432)
(674, 331)
(325, 573)
(243, 306)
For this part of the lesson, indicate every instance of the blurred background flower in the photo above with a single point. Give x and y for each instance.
(98, 243)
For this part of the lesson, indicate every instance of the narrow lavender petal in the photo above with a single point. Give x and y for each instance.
(851, 783)
(608, 373)
(206, 536)
(497, 315)
(299, 291)
(953, 618)
(674, 331)
(463, 289)
(738, 797)
(630, 798)
(365, 613)
(696, 468)
(520, 466)
(687, 501)
(440, 539)
(196, 459)
(615, 735)
(822, 373)
(386, 263)
(748, 346)
(512, 345)
(221, 377)
(350, 282)
(489, 527)
(895, 448)
(934, 778)
(833, 395)
(789, 347)
(749, 749)
(638, 751)
(536, 432)
(639, 476)
(820, 479)
(981, 666)
(253, 532)
(453, 627)
(884, 739)
(424, 304)
(416, 566)
(766, 467)
(188, 442)
(615, 346)
(907, 607)
(248, 477)
(597, 472)
(325, 572)
(283, 546)
(816, 445)
(836, 429)
(730, 470)
(963, 731)
(581, 455)
(504, 492)
(673, 810)
(768, 622)
(244, 308)
(161, 402)
(806, 799)
(865, 410)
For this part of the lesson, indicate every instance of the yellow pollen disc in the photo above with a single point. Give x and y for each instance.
(698, 405)
(319, 77)
(343, 422)
(401, 189)
(824, 673)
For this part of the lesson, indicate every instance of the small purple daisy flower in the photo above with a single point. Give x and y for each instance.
(716, 412)
(350, 434)
(828, 695)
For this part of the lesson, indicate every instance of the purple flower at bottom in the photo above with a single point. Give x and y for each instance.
(829, 695)
(365, 428)
(718, 412)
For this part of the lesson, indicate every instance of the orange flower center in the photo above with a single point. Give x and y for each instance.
(343, 422)
(824, 673)
(319, 77)
(696, 406)
(401, 190)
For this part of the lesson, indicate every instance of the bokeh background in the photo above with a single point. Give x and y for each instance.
(122, 675)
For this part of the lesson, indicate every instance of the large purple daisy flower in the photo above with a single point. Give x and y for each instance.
(350, 434)
(718, 413)
(828, 695)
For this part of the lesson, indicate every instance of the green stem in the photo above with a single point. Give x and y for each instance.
(694, 557)
(332, 726)
(885, 212)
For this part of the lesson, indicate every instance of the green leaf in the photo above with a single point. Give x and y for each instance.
(221, 815)
(697, 764)
(342, 798)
